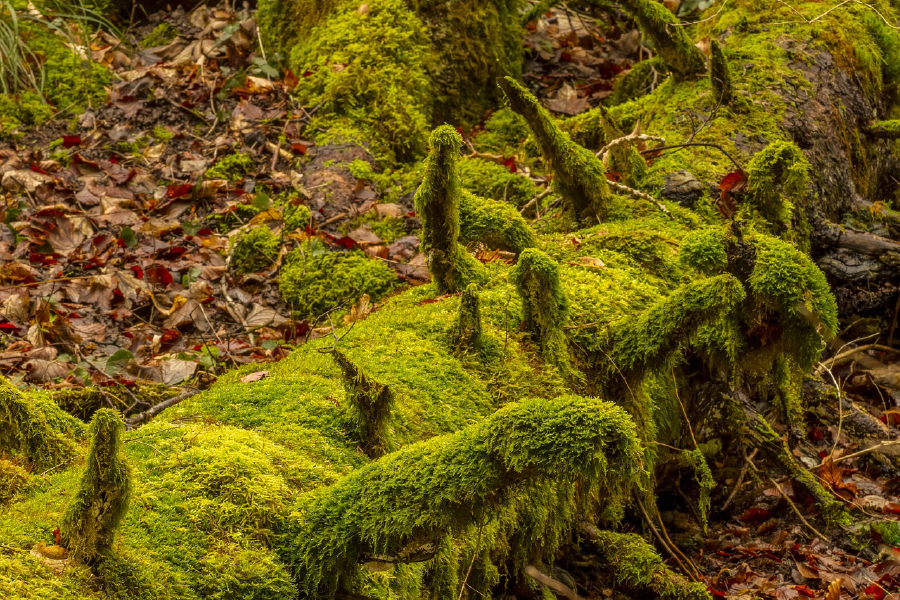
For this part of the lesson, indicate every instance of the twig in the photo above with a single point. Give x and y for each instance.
(874, 448)
(843, 356)
(148, 414)
(641, 195)
(462, 588)
(555, 585)
(536, 199)
(797, 510)
(693, 144)
(683, 411)
(661, 541)
(631, 137)
(740, 479)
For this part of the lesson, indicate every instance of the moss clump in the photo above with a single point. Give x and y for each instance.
(13, 479)
(661, 328)
(544, 304)
(636, 82)
(494, 224)
(634, 564)
(467, 330)
(236, 571)
(579, 176)
(670, 40)
(33, 427)
(719, 75)
(316, 284)
(162, 135)
(255, 250)
(437, 203)
(370, 403)
(491, 180)
(296, 216)
(779, 175)
(26, 108)
(704, 479)
(504, 130)
(90, 523)
(161, 35)
(704, 250)
(885, 129)
(232, 167)
(71, 82)
(489, 473)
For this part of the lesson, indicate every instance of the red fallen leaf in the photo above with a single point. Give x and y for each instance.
(576, 241)
(892, 508)
(290, 80)
(875, 591)
(169, 336)
(56, 536)
(37, 169)
(805, 591)
(307, 73)
(138, 271)
(461, 131)
(755, 515)
(70, 141)
(299, 148)
(565, 56)
(716, 592)
(510, 163)
(8, 327)
(347, 242)
(78, 160)
(179, 190)
(171, 253)
(159, 274)
(732, 183)
(815, 434)
(204, 232)
(613, 176)
(411, 213)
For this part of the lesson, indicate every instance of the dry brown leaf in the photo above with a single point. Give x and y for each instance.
(254, 376)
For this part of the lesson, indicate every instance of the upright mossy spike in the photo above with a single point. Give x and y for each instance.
(371, 404)
(719, 75)
(437, 202)
(636, 565)
(512, 460)
(89, 525)
(669, 322)
(544, 304)
(778, 175)
(467, 330)
(669, 39)
(35, 428)
(495, 224)
(579, 176)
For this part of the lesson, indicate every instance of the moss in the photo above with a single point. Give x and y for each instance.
(296, 216)
(504, 130)
(438, 205)
(161, 35)
(13, 479)
(704, 479)
(90, 523)
(232, 167)
(636, 565)
(235, 571)
(162, 135)
(24, 109)
(778, 175)
(662, 327)
(719, 74)
(704, 250)
(411, 499)
(889, 532)
(669, 39)
(82, 403)
(316, 284)
(579, 176)
(467, 331)
(624, 159)
(885, 129)
(370, 403)
(24, 577)
(544, 304)
(255, 250)
(33, 427)
(494, 224)
(636, 82)
(491, 180)
(71, 82)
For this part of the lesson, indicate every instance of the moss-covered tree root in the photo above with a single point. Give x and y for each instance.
(370, 403)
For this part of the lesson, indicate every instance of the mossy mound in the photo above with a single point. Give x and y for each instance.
(232, 167)
(312, 285)
(492, 180)
(255, 249)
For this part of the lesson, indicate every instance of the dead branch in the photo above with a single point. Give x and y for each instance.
(144, 417)
(555, 585)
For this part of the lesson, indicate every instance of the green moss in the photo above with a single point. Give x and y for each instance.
(579, 176)
(24, 109)
(704, 479)
(84, 402)
(719, 74)
(704, 250)
(24, 577)
(504, 130)
(544, 304)
(669, 39)
(370, 403)
(779, 175)
(235, 571)
(90, 523)
(467, 331)
(162, 135)
(13, 479)
(889, 532)
(255, 250)
(636, 82)
(491, 180)
(232, 167)
(33, 427)
(71, 82)
(411, 499)
(495, 224)
(161, 35)
(296, 216)
(438, 205)
(636, 565)
(885, 129)
(313, 285)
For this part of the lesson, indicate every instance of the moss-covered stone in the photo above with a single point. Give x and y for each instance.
(89, 526)
(312, 285)
(255, 249)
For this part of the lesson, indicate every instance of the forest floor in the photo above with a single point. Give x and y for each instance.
(122, 274)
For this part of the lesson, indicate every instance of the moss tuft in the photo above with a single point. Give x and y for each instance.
(255, 250)
(296, 216)
(495, 224)
(704, 479)
(161, 35)
(704, 250)
(90, 523)
(778, 174)
(544, 304)
(579, 176)
(232, 167)
(492, 180)
(719, 75)
(370, 403)
(234, 571)
(13, 479)
(313, 285)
